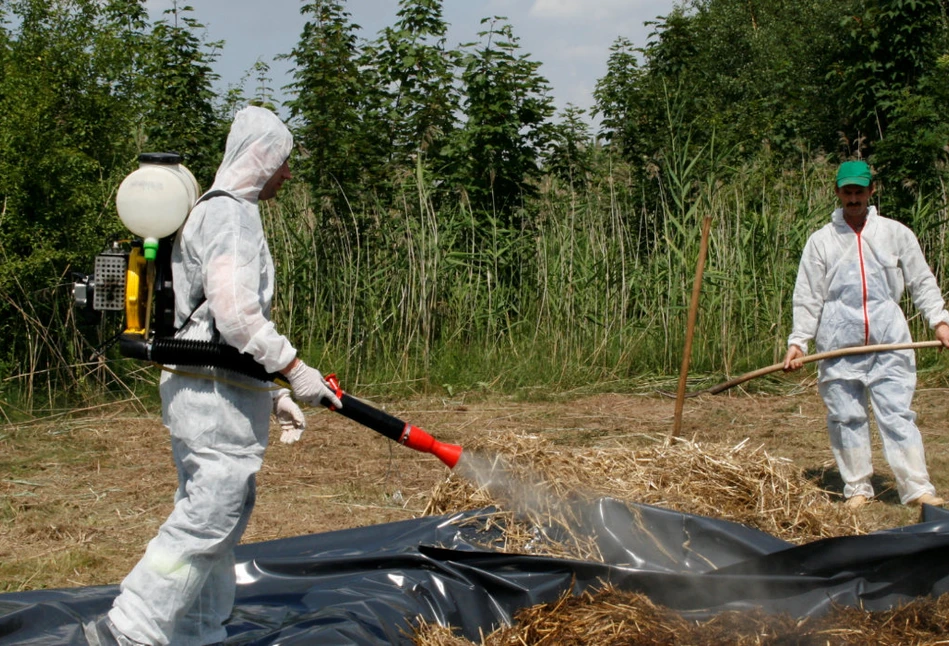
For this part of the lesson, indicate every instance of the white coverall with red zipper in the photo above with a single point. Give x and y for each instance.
(847, 293)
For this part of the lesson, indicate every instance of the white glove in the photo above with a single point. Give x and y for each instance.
(289, 416)
(310, 387)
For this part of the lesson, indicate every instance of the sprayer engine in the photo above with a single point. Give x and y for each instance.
(120, 283)
(109, 276)
(135, 276)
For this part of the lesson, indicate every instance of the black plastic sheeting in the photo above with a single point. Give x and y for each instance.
(368, 586)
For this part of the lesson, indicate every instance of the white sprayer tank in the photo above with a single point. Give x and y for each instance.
(154, 200)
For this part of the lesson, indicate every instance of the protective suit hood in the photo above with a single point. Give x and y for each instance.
(257, 145)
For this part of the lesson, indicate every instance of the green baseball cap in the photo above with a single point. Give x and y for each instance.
(854, 172)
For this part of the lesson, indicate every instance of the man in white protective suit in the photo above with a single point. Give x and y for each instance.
(848, 290)
(182, 591)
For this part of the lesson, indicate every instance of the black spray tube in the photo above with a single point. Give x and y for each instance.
(186, 352)
(392, 427)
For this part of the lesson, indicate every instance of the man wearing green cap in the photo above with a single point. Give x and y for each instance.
(848, 290)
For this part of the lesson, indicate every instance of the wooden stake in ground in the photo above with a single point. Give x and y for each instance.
(860, 349)
(690, 329)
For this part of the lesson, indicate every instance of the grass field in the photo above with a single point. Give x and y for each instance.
(82, 494)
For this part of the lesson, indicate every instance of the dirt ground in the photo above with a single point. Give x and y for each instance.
(80, 496)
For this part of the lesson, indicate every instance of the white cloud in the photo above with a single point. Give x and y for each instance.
(556, 8)
(596, 10)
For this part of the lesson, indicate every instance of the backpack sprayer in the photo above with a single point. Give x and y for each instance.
(135, 277)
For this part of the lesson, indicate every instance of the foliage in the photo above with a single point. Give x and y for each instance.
(846, 77)
(235, 96)
(507, 105)
(84, 86)
(63, 98)
(617, 97)
(570, 155)
(892, 86)
(179, 113)
(419, 72)
(328, 106)
(752, 72)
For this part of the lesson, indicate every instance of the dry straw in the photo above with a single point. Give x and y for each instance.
(743, 484)
(539, 485)
(613, 618)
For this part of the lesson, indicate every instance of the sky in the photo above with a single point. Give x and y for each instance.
(570, 38)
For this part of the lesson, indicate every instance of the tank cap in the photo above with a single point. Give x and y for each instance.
(159, 158)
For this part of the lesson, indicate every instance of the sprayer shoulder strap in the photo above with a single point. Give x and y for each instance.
(207, 196)
(215, 193)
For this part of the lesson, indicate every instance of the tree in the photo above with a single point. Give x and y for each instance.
(68, 85)
(495, 155)
(331, 96)
(892, 83)
(412, 60)
(67, 118)
(570, 154)
(179, 113)
(752, 72)
(616, 94)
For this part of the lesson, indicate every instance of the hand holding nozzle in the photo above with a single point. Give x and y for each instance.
(308, 384)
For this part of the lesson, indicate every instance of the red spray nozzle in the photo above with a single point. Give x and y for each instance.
(415, 438)
(392, 427)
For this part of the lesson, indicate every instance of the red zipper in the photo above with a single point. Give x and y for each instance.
(863, 280)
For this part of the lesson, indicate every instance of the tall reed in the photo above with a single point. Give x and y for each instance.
(590, 291)
(595, 288)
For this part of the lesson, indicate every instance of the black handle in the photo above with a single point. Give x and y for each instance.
(362, 413)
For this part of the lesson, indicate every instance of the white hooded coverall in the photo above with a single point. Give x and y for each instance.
(847, 293)
(183, 589)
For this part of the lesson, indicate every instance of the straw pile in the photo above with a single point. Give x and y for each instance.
(538, 489)
(536, 484)
(613, 618)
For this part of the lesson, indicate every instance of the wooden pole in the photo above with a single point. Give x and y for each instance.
(843, 352)
(690, 329)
